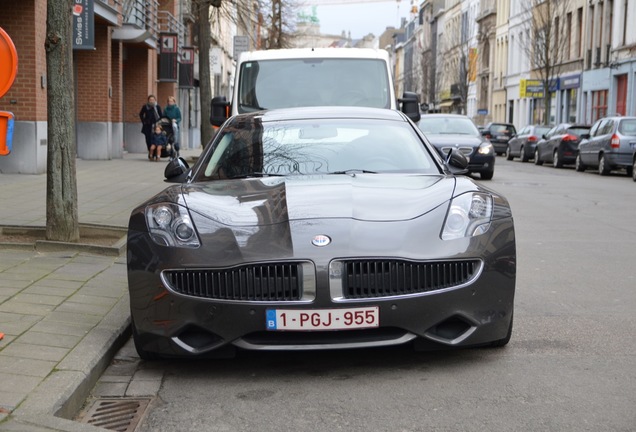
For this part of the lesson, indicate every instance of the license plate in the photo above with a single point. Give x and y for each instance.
(322, 319)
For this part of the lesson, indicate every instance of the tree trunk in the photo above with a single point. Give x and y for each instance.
(62, 222)
(205, 89)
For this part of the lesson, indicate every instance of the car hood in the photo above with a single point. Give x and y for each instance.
(365, 197)
(454, 140)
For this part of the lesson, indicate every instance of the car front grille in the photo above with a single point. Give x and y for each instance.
(466, 151)
(256, 282)
(386, 278)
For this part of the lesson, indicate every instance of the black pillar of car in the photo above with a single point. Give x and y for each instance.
(411, 105)
(219, 110)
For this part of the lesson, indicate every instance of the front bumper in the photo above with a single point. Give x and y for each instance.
(473, 313)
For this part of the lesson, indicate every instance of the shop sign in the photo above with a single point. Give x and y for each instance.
(570, 82)
(83, 25)
(530, 88)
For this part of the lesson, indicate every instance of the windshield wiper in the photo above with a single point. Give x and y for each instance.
(256, 174)
(354, 172)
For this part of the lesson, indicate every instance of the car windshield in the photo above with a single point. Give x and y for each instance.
(627, 127)
(541, 130)
(254, 148)
(502, 129)
(578, 130)
(447, 125)
(284, 83)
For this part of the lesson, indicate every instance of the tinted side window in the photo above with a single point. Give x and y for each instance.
(606, 128)
(595, 127)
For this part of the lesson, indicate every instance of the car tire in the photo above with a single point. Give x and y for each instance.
(503, 342)
(603, 167)
(537, 161)
(524, 157)
(556, 161)
(509, 155)
(634, 170)
(629, 171)
(487, 175)
(578, 165)
(143, 354)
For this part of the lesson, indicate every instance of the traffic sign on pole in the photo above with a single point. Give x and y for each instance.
(8, 62)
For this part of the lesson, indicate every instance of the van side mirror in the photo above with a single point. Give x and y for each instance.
(219, 110)
(411, 105)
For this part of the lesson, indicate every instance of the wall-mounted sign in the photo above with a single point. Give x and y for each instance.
(83, 25)
(168, 57)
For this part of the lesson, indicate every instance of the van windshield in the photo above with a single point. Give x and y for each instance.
(285, 83)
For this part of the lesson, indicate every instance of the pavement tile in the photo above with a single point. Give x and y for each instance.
(42, 299)
(82, 298)
(143, 388)
(62, 328)
(10, 399)
(22, 366)
(6, 292)
(83, 308)
(50, 340)
(12, 382)
(17, 307)
(70, 317)
(37, 352)
(111, 389)
(16, 324)
(39, 289)
(10, 284)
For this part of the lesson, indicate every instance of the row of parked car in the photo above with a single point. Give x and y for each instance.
(609, 144)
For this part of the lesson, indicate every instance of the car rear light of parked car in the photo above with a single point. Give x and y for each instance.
(616, 141)
(570, 137)
(532, 138)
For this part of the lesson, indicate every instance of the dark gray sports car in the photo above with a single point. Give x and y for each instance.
(320, 228)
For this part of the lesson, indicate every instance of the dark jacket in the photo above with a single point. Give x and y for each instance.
(149, 115)
(159, 139)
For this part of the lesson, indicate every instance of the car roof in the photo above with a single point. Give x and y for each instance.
(445, 115)
(296, 53)
(324, 112)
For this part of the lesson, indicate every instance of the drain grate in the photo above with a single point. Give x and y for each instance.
(117, 414)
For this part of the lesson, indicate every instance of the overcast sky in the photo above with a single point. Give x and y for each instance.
(360, 18)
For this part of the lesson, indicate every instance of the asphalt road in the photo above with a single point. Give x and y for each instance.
(570, 366)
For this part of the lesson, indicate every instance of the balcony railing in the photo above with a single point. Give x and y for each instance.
(143, 14)
(168, 23)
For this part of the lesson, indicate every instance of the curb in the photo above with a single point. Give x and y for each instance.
(55, 402)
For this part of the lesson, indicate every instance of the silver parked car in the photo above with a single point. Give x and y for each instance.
(610, 145)
(320, 228)
(523, 144)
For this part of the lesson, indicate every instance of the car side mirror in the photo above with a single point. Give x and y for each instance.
(411, 106)
(176, 171)
(219, 110)
(457, 162)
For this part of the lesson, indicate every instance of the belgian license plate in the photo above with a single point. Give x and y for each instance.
(323, 319)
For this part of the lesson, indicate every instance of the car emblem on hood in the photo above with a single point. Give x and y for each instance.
(320, 240)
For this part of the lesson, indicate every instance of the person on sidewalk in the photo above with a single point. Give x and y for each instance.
(149, 115)
(173, 113)
(158, 142)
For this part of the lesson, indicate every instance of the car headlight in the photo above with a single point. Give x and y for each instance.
(469, 215)
(170, 225)
(485, 148)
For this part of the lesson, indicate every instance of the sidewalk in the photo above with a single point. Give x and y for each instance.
(64, 314)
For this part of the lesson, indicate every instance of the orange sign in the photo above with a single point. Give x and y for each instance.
(8, 62)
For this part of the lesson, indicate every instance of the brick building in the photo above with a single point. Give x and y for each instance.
(113, 77)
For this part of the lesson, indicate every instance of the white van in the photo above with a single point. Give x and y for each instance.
(297, 77)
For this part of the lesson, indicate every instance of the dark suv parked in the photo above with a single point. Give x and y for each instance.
(499, 134)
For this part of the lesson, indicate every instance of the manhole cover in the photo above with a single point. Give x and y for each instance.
(120, 415)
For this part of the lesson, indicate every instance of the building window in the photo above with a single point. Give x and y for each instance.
(568, 36)
(579, 28)
(599, 104)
